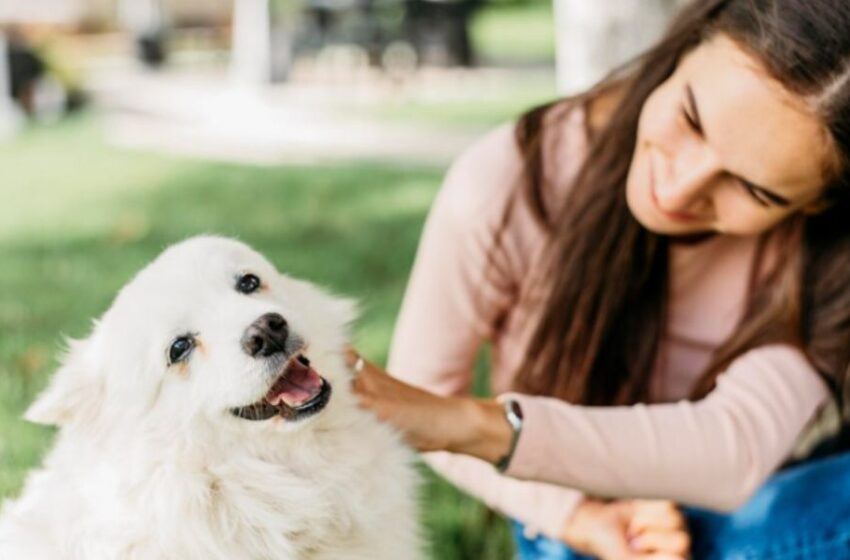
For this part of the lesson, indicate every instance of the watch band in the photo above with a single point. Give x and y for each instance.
(513, 414)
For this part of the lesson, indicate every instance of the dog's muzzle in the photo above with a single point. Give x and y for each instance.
(297, 393)
(298, 390)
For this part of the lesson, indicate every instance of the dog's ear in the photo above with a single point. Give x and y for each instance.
(72, 395)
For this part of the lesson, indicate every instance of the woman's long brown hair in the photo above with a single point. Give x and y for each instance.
(606, 276)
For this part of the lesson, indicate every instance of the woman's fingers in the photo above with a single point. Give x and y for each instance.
(677, 543)
(655, 514)
(354, 360)
(350, 355)
(612, 546)
(363, 367)
(367, 376)
(374, 388)
(367, 384)
(658, 530)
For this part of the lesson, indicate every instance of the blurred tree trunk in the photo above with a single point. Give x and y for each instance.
(593, 38)
(251, 54)
(263, 32)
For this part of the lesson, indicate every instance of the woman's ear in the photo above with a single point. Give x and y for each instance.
(74, 393)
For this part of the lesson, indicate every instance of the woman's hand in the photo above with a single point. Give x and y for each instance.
(628, 530)
(432, 422)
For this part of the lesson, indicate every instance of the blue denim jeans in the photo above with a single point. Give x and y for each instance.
(800, 513)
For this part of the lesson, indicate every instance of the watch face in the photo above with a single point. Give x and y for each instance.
(513, 414)
(516, 409)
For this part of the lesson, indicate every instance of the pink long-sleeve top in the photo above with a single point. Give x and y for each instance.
(710, 453)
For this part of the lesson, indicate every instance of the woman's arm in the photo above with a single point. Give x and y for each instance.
(711, 453)
(454, 299)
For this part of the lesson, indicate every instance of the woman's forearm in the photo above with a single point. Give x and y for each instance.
(711, 453)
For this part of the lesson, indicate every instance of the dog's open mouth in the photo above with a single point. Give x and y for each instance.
(297, 393)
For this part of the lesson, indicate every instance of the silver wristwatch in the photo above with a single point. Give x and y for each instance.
(513, 414)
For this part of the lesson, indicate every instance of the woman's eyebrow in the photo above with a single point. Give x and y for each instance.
(772, 196)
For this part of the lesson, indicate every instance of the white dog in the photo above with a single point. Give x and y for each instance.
(209, 416)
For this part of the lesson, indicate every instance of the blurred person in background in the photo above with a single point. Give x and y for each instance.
(145, 19)
(26, 68)
(40, 85)
(662, 267)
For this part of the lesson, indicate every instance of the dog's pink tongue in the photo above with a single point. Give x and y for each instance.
(299, 385)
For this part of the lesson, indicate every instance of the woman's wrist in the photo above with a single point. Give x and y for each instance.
(484, 431)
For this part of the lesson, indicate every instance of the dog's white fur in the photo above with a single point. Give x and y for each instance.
(149, 463)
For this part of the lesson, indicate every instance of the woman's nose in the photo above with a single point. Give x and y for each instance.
(688, 183)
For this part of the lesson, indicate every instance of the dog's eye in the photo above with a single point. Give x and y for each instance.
(247, 283)
(180, 349)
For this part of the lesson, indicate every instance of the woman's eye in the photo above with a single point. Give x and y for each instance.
(764, 197)
(692, 124)
(755, 195)
(180, 349)
(247, 284)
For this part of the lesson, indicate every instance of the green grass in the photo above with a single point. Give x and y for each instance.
(79, 218)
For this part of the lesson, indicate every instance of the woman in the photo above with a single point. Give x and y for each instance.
(663, 268)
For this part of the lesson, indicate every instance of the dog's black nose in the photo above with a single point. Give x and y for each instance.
(266, 336)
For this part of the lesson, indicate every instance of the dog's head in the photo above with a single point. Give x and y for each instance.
(209, 330)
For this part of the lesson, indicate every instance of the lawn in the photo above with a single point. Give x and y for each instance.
(79, 218)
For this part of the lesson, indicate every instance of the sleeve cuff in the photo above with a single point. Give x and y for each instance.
(530, 450)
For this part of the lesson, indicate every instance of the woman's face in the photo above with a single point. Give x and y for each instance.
(722, 147)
